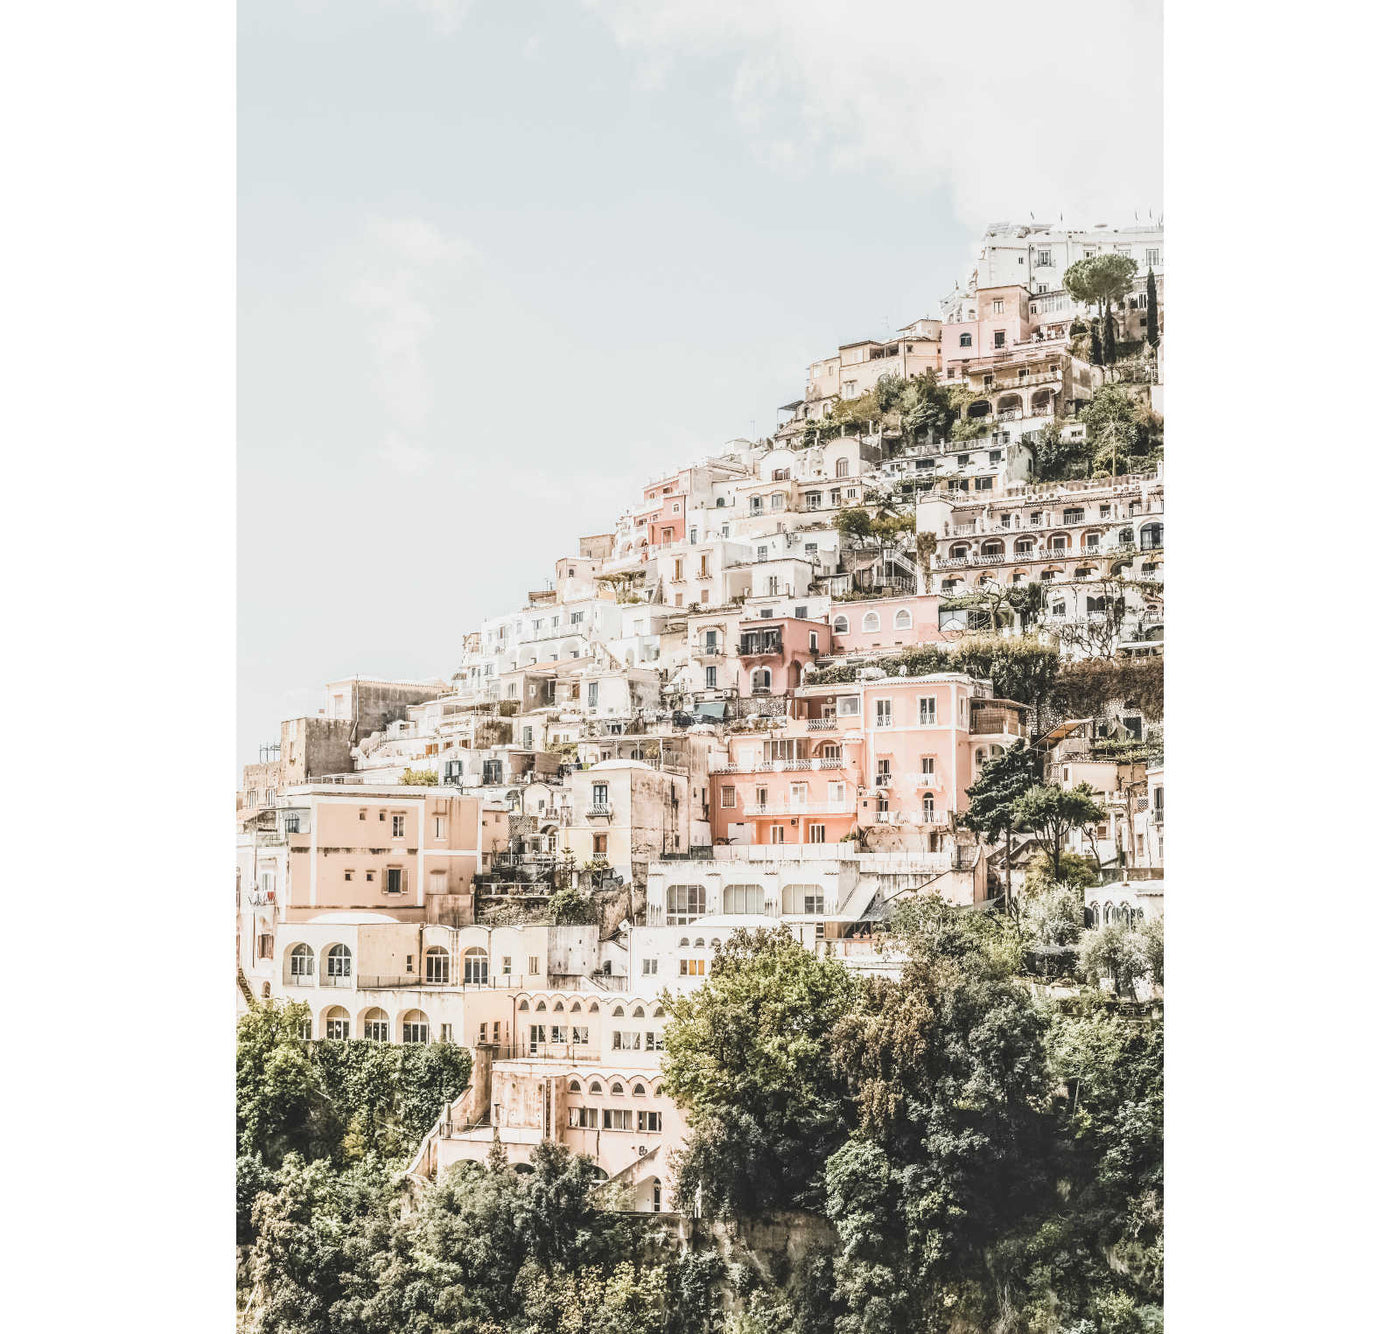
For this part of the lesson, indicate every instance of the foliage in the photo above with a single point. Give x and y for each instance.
(419, 778)
(1122, 430)
(340, 1100)
(1055, 455)
(992, 798)
(568, 907)
(1087, 689)
(1095, 343)
(1076, 872)
(889, 527)
(748, 1059)
(1153, 333)
(1050, 812)
(1101, 279)
(1110, 338)
(854, 523)
(1117, 954)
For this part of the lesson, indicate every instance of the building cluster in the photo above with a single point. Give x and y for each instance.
(687, 730)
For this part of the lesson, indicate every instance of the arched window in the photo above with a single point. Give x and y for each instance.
(930, 808)
(524, 1004)
(338, 962)
(437, 966)
(714, 944)
(338, 1024)
(376, 1026)
(558, 1007)
(1151, 536)
(761, 680)
(303, 965)
(474, 967)
(540, 1007)
(959, 552)
(575, 1086)
(593, 1007)
(870, 621)
(658, 1013)
(415, 1026)
(903, 620)
(618, 1012)
(617, 1087)
(843, 468)
(840, 626)
(576, 1008)
(595, 1087)
(684, 944)
(639, 1013)
(639, 1090)
(993, 548)
(1125, 537)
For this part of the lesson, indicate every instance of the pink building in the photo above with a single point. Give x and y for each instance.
(884, 623)
(891, 757)
(774, 650)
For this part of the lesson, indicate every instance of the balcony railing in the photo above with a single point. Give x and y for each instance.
(599, 810)
(821, 724)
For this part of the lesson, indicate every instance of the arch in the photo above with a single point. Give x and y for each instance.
(414, 1026)
(1008, 403)
(593, 1007)
(658, 1013)
(843, 467)
(475, 966)
(639, 1013)
(1041, 402)
(595, 1087)
(617, 1087)
(618, 1012)
(994, 546)
(576, 1008)
(301, 964)
(374, 1027)
(575, 1086)
(335, 1024)
(335, 961)
(870, 622)
(959, 552)
(683, 943)
(904, 619)
(841, 626)
(437, 965)
(979, 408)
(540, 1007)
(1150, 537)
(524, 1004)
(761, 678)
(639, 1090)
(558, 1007)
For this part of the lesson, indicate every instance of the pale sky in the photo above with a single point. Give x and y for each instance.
(501, 263)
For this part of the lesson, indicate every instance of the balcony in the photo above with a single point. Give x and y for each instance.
(787, 808)
(761, 644)
(821, 724)
(599, 810)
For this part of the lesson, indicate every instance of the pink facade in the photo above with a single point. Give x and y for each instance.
(893, 757)
(878, 623)
(773, 651)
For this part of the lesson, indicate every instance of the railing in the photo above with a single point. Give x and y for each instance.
(790, 808)
(599, 808)
(821, 724)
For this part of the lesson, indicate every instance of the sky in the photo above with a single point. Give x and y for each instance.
(500, 264)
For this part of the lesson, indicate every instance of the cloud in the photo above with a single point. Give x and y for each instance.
(446, 15)
(1024, 108)
(399, 268)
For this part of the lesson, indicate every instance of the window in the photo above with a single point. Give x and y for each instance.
(473, 967)
(806, 900)
(1154, 257)
(338, 1026)
(930, 814)
(1044, 259)
(965, 340)
(692, 968)
(648, 967)
(376, 1026)
(884, 715)
(928, 765)
(684, 903)
(711, 678)
(436, 966)
(928, 711)
(848, 706)
(840, 626)
(743, 900)
(843, 468)
(415, 1026)
(505, 965)
(870, 622)
(600, 795)
(338, 961)
(727, 797)
(984, 484)
(617, 1118)
(816, 833)
(303, 964)
(761, 680)
(600, 845)
(999, 338)
(998, 305)
(397, 828)
(534, 965)
(393, 880)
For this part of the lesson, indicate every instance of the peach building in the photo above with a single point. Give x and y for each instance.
(409, 852)
(773, 651)
(884, 623)
(892, 756)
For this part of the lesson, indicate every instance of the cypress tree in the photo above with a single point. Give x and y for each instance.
(1095, 344)
(1152, 334)
(1110, 340)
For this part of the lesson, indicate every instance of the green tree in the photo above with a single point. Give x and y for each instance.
(568, 907)
(854, 523)
(1100, 280)
(1153, 335)
(1050, 812)
(946, 1067)
(991, 800)
(419, 778)
(1110, 339)
(1095, 343)
(279, 1099)
(748, 1058)
(1117, 954)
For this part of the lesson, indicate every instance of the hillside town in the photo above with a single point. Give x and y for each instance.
(909, 646)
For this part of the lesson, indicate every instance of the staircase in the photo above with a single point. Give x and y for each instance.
(244, 987)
